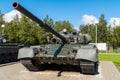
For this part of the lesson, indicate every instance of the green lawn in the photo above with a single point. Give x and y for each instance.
(114, 57)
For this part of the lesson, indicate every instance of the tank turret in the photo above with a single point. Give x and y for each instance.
(72, 38)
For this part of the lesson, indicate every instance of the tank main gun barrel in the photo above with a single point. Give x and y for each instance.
(20, 8)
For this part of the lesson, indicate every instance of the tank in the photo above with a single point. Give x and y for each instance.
(8, 51)
(62, 48)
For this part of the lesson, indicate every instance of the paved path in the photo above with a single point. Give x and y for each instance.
(16, 71)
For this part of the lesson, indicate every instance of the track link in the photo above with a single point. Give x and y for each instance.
(88, 67)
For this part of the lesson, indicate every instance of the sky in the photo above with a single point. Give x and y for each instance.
(77, 12)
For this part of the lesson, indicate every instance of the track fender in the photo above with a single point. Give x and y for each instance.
(87, 54)
(26, 53)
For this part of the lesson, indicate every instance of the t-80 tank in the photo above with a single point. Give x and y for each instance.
(8, 51)
(63, 48)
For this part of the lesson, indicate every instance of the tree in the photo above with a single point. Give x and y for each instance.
(11, 30)
(111, 41)
(27, 34)
(26, 31)
(60, 25)
(1, 18)
(49, 21)
(102, 29)
(117, 36)
(88, 29)
(1, 22)
(21, 31)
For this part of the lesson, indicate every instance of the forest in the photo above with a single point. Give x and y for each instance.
(23, 30)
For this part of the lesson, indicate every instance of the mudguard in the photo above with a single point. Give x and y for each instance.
(90, 54)
(26, 53)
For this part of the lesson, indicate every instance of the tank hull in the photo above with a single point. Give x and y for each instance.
(9, 52)
(69, 55)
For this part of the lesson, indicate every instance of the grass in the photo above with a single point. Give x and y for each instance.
(114, 57)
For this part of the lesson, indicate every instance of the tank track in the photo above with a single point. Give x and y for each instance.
(30, 64)
(88, 67)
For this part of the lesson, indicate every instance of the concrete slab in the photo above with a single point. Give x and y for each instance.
(16, 71)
